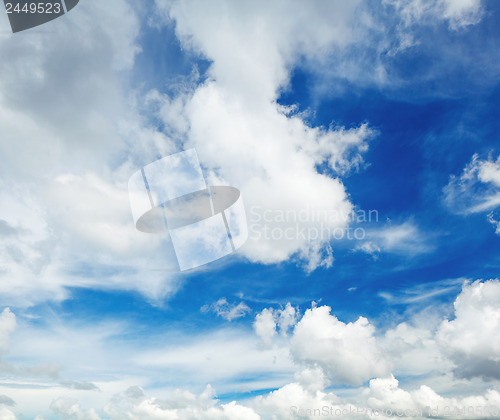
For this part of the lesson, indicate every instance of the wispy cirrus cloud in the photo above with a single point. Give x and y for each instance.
(476, 190)
(227, 310)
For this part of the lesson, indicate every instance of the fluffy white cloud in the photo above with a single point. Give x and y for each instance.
(269, 320)
(7, 327)
(287, 318)
(384, 398)
(69, 408)
(134, 405)
(293, 401)
(48, 250)
(348, 353)
(471, 339)
(6, 414)
(265, 325)
(322, 348)
(385, 394)
(414, 351)
(70, 134)
(246, 139)
(70, 139)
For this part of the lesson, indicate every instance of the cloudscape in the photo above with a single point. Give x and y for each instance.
(244, 210)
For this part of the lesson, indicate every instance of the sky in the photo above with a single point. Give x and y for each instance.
(363, 137)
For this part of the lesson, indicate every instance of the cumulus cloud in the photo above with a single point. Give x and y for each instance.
(7, 327)
(134, 405)
(71, 137)
(471, 339)
(70, 134)
(69, 408)
(348, 353)
(6, 414)
(385, 394)
(268, 322)
(382, 398)
(317, 350)
(265, 325)
(66, 125)
(245, 138)
(293, 401)
(413, 351)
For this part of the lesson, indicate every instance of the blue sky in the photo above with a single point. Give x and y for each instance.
(389, 107)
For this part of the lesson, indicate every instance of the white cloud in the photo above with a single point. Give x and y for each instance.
(495, 222)
(414, 352)
(385, 394)
(293, 401)
(369, 247)
(404, 238)
(244, 138)
(67, 124)
(424, 292)
(265, 325)
(287, 318)
(458, 13)
(348, 353)
(60, 95)
(98, 359)
(312, 379)
(6, 414)
(69, 408)
(477, 189)
(319, 351)
(49, 251)
(226, 310)
(462, 12)
(384, 398)
(216, 358)
(471, 339)
(134, 405)
(7, 327)
(71, 137)
(268, 321)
